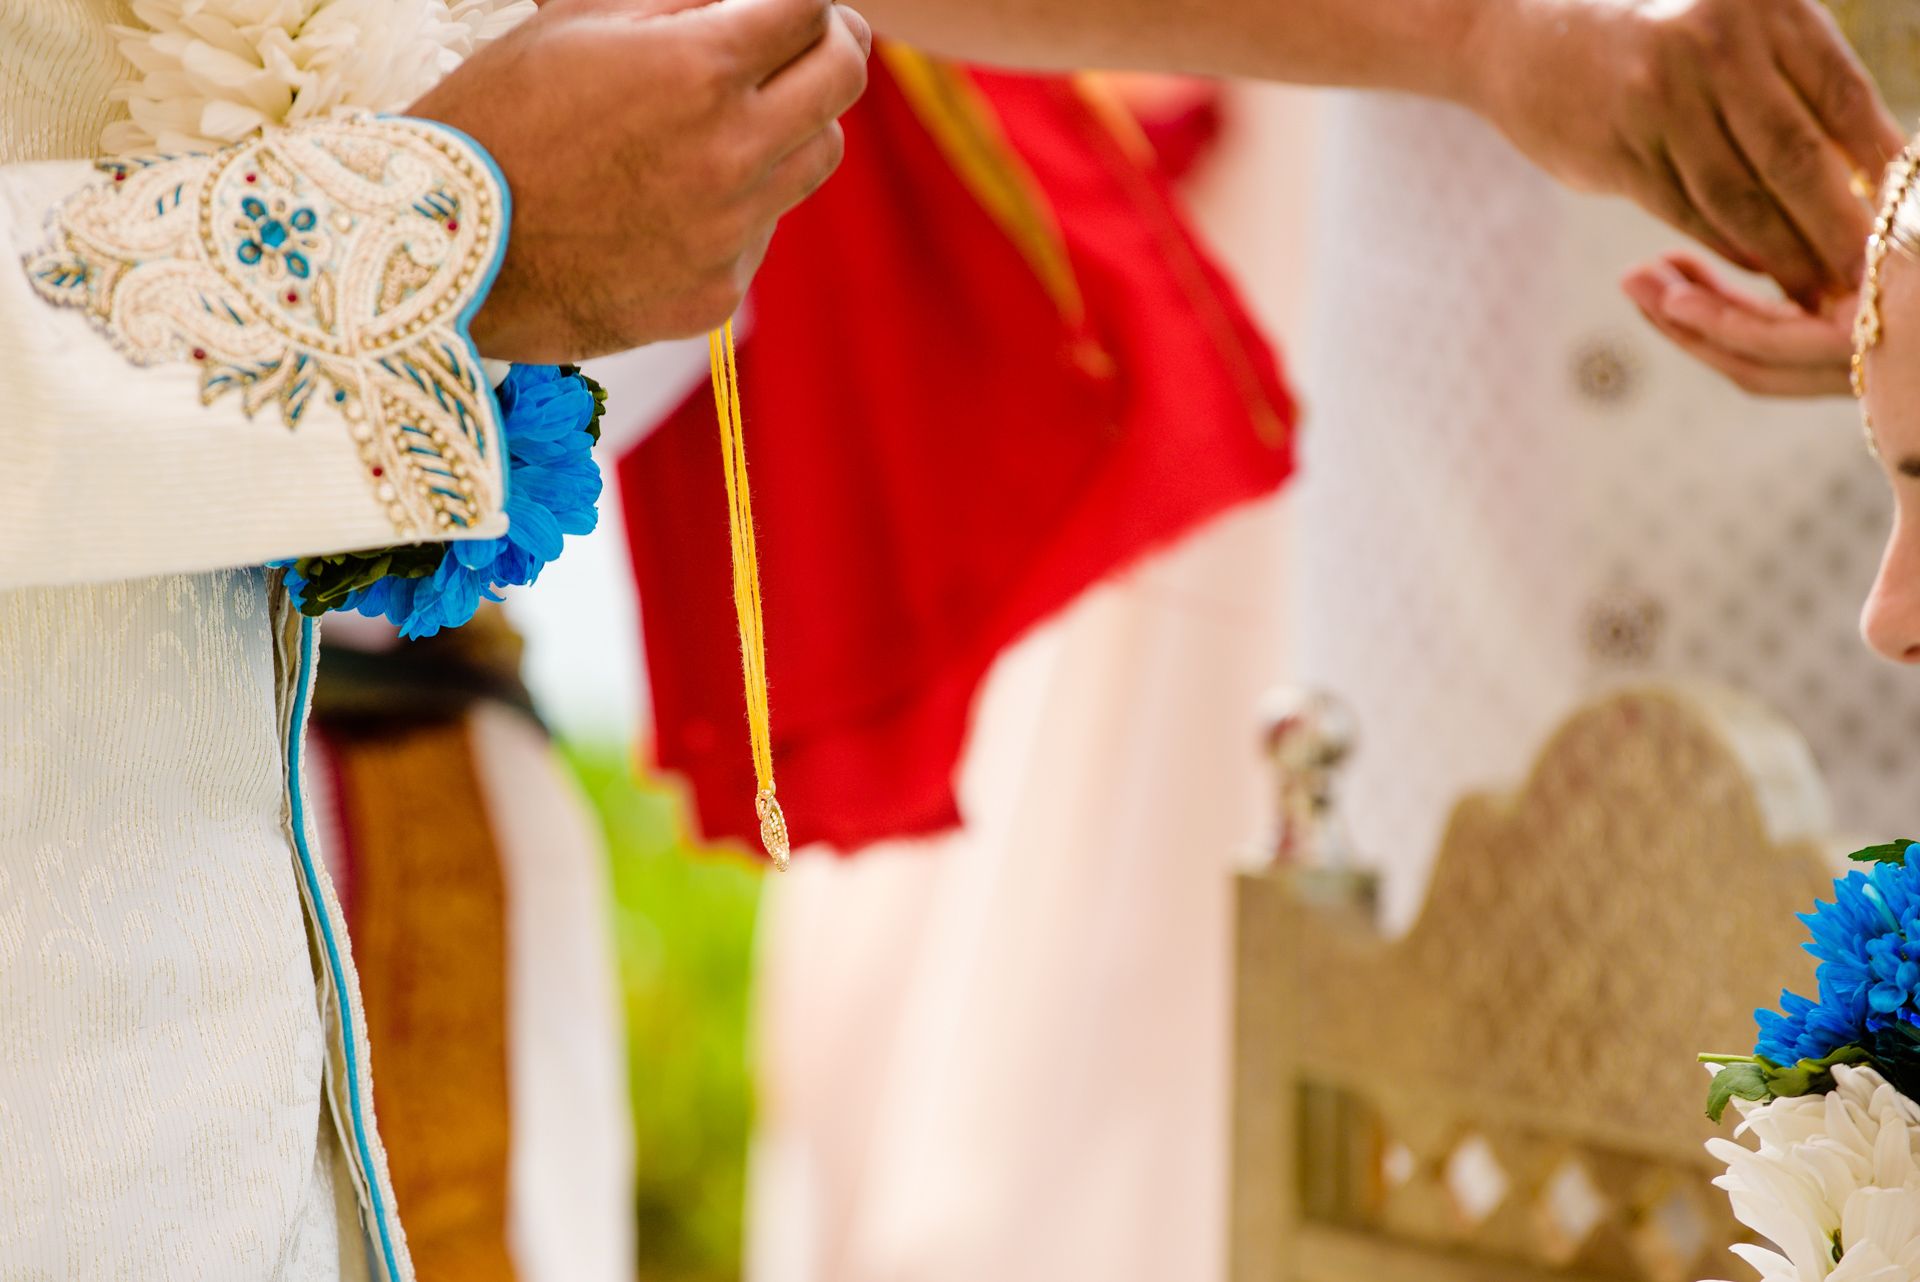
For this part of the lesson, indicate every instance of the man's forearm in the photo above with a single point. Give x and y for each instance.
(1741, 122)
(1424, 46)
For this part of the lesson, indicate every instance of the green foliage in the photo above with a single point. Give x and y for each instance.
(1892, 852)
(599, 398)
(331, 579)
(684, 923)
(1755, 1077)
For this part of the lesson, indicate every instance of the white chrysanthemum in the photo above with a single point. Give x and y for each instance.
(1835, 1175)
(213, 71)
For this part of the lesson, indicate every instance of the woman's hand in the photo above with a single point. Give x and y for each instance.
(1768, 347)
(650, 146)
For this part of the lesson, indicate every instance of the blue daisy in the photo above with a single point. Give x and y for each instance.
(553, 490)
(1868, 943)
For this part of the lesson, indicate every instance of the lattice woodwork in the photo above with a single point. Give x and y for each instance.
(1508, 1094)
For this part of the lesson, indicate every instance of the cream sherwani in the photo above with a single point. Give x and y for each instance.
(183, 1087)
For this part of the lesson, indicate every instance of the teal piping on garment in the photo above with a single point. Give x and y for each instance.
(483, 287)
(309, 640)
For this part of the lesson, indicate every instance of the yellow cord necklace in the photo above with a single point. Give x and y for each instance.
(746, 589)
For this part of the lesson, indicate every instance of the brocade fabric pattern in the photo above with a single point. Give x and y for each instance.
(161, 1049)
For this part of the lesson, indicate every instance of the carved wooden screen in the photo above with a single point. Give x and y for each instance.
(1509, 1092)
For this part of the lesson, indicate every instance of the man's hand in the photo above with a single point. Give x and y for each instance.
(1768, 347)
(650, 146)
(1741, 122)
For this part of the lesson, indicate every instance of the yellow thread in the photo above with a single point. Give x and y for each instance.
(746, 588)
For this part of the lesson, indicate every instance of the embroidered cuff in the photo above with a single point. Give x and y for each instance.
(338, 260)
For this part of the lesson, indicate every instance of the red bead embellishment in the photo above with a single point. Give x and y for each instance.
(379, 471)
(253, 178)
(292, 296)
(199, 353)
(120, 177)
(453, 224)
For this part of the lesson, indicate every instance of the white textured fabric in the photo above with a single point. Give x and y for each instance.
(161, 1071)
(162, 1057)
(1514, 493)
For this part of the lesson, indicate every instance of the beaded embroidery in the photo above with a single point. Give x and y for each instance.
(335, 260)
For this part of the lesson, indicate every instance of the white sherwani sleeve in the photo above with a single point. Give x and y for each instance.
(225, 360)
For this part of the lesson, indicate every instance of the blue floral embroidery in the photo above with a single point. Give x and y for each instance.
(279, 236)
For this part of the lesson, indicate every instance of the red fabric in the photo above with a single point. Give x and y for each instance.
(1185, 136)
(934, 467)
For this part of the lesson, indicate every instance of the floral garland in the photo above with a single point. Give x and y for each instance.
(550, 417)
(212, 73)
(1868, 1011)
(1830, 1092)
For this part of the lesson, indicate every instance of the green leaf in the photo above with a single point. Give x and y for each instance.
(1747, 1081)
(331, 579)
(599, 399)
(1755, 1077)
(1892, 852)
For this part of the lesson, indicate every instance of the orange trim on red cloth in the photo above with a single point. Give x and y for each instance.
(429, 940)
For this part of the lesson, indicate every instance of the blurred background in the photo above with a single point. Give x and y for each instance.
(1007, 1051)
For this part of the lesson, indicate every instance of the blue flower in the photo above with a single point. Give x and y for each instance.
(1868, 943)
(553, 486)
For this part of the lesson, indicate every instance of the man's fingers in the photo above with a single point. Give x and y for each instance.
(811, 92)
(1838, 90)
(1804, 340)
(858, 25)
(1678, 265)
(1808, 177)
(1660, 189)
(1732, 198)
(763, 36)
(1766, 358)
(801, 172)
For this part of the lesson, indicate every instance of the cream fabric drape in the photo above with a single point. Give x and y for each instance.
(1004, 1054)
(570, 1216)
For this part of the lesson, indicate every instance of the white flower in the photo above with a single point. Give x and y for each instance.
(213, 71)
(1836, 1175)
